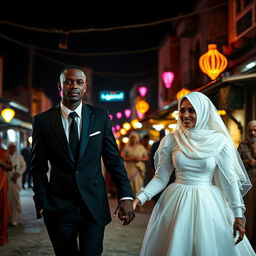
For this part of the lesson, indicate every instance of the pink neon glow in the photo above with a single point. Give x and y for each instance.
(127, 113)
(140, 115)
(110, 116)
(113, 129)
(119, 115)
(60, 93)
(168, 77)
(117, 127)
(143, 90)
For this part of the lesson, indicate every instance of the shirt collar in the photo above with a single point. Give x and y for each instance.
(66, 111)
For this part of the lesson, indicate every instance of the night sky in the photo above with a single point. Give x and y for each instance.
(109, 72)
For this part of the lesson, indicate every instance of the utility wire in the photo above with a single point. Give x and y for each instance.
(98, 73)
(86, 30)
(78, 53)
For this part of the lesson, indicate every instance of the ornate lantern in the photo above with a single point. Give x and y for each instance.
(213, 62)
(142, 106)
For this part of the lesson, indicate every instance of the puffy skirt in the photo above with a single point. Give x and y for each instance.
(191, 220)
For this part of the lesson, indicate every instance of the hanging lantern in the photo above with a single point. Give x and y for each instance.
(213, 62)
(127, 126)
(119, 115)
(142, 106)
(143, 91)
(182, 93)
(8, 114)
(168, 77)
(127, 112)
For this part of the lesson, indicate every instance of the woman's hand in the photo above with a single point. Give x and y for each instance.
(136, 201)
(238, 226)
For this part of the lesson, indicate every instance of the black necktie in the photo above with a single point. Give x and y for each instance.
(73, 135)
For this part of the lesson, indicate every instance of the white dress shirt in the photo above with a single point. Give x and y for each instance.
(66, 121)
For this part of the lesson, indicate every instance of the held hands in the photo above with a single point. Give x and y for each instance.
(238, 226)
(136, 202)
(125, 211)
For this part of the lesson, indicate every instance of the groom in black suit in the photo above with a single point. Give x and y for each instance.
(70, 140)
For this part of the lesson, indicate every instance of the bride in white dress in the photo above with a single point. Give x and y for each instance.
(202, 213)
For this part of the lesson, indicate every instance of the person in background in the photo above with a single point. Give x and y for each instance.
(5, 166)
(135, 155)
(145, 142)
(72, 138)
(26, 177)
(154, 148)
(247, 150)
(202, 212)
(15, 183)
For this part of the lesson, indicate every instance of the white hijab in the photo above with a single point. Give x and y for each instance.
(208, 138)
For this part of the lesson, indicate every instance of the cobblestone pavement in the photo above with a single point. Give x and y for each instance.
(31, 238)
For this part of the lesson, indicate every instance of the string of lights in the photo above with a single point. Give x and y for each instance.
(134, 26)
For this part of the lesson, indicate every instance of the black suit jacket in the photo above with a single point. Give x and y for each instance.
(67, 178)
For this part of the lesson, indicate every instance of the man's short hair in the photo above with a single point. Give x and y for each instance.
(72, 67)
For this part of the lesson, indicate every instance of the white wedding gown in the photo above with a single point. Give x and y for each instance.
(192, 217)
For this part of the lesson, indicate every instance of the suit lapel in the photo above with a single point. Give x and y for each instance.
(59, 132)
(87, 121)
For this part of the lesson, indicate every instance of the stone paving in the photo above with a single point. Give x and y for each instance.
(31, 238)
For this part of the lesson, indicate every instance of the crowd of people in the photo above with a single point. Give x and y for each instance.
(203, 187)
(12, 168)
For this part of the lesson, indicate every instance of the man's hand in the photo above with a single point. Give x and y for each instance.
(238, 226)
(126, 212)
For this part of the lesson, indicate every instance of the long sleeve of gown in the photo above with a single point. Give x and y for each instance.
(230, 189)
(164, 169)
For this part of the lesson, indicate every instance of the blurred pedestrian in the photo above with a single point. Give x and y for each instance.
(135, 155)
(145, 142)
(5, 166)
(73, 137)
(247, 150)
(15, 183)
(26, 177)
(195, 216)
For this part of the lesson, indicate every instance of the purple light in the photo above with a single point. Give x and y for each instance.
(127, 113)
(117, 127)
(168, 77)
(113, 129)
(110, 116)
(143, 90)
(119, 115)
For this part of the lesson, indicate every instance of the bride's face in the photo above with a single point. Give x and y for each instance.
(187, 114)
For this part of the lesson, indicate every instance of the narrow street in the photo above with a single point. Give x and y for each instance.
(31, 238)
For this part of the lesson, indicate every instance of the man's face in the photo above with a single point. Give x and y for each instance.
(73, 86)
(252, 133)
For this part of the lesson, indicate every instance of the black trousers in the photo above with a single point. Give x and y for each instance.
(74, 232)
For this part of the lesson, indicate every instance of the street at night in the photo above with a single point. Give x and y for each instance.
(116, 107)
(30, 236)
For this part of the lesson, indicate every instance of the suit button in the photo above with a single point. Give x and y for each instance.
(77, 172)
